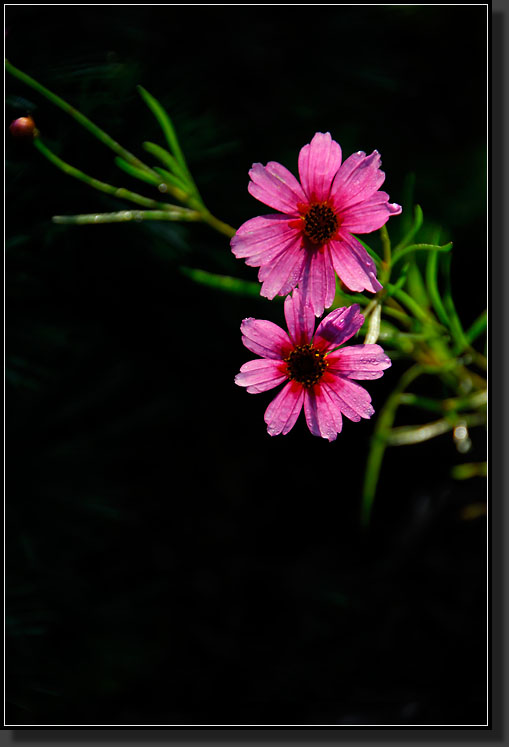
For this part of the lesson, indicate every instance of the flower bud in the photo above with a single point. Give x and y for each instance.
(23, 128)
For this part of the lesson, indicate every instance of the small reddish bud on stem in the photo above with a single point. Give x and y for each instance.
(24, 128)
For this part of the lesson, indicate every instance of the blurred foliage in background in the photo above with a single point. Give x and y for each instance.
(168, 562)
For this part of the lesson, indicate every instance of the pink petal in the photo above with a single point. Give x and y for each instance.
(259, 239)
(282, 274)
(282, 413)
(260, 375)
(300, 319)
(265, 338)
(338, 327)
(323, 415)
(351, 398)
(277, 187)
(353, 264)
(357, 179)
(318, 165)
(370, 214)
(359, 361)
(318, 282)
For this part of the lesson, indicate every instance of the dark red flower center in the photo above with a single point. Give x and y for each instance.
(306, 365)
(320, 223)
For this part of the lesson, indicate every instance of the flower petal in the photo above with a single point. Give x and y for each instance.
(353, 264)
(277, 187)
(259, 239)
(370, 214)
(318, 282)
(265, 338)
(260, 375)
(318, 165)
(357, 179)
(359, 361)
(282, 274)
(351, 398)
(282, 413)
(300, 318)
(323, 415)
(338, 327)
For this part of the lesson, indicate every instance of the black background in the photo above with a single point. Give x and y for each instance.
(167, 561)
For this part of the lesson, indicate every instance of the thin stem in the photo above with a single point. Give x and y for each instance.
(386, 264)
(379, 440)
(124, 216)
(406, 435)
(219, 225)
(119, 192)
(78, 116)
(419, 247)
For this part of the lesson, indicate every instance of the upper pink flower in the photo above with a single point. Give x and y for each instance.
(319, 376)
(312, 236)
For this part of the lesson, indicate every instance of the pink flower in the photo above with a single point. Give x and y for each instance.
(318, 374)
(311, 237)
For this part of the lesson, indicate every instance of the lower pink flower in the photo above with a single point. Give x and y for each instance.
(318, 372)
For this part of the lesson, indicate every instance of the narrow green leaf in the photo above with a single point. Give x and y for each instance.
(432, 286)
(469, 470)
(477, 328)
(168, 160)
(400, 282)
(119, 192)
(420, 247)
(415, 284)
(144, 176)
(413, 306)
(170, 178)
(222, 282)
(455, 324)
(418, 218)
(166, 125)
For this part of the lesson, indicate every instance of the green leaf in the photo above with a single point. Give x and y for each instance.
(416, 286)
(168, 160)
(144, 176)
(433, 291)
(171, 179)
(454, 320)
(469, 470)
(477, 328)
(418, 218)
(166, 125)
(398, 254)
(222, 282)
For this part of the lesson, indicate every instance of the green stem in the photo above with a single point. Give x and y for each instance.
(119, 192)
(406, 435)
(219, 225)
(78, 116)
(419, 247)
(379, 441)
(386, 264)
(124, 216)
(413, 306)
(417, 223)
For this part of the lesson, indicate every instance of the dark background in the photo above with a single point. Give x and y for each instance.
(167, 561)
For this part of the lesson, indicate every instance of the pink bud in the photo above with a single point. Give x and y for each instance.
(23, 127)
